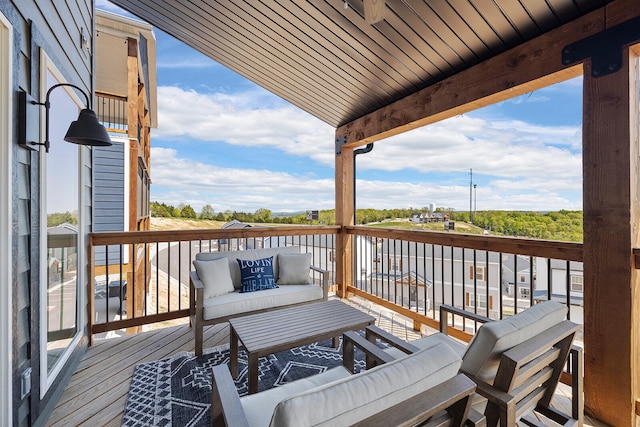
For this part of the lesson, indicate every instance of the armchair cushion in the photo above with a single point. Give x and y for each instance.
(293, 269)
(215, 277)
(352, 399)
(483, 353)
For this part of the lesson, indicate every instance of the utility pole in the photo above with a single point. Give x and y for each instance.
(475, 199)
(471, 196)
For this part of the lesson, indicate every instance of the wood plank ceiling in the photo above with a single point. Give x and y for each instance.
(326, 59)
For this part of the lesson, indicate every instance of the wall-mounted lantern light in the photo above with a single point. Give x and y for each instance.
(87, 130)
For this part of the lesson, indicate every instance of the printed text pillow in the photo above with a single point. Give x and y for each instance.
(256, 275)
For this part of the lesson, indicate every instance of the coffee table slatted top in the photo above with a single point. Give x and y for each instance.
(285, 328)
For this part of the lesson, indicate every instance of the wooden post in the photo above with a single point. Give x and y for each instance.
(611, 224)
(345, 198)
(132, 169)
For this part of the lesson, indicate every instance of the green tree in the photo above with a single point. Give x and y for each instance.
(262, 215)
(55, 219)
(187, 212)
(161, 210)
(207, 212)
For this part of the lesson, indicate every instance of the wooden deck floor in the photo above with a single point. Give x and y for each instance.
(97, 392)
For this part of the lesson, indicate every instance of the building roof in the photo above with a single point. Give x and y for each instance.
(234, 223)
(328, 60)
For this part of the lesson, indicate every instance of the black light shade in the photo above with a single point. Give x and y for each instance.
(87, 130)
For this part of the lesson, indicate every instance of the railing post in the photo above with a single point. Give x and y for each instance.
(345, 199)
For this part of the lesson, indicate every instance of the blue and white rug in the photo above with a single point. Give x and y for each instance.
(177, 391)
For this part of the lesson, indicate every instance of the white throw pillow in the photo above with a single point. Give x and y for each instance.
(215, 277)
(293, 269)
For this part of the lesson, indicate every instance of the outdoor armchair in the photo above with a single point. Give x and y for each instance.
(423, 386)
(516, 362)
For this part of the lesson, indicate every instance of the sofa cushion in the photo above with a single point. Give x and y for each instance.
(494, 338)
(236, 303)
(254, 254)
(215, 277)
(256, 275)
(293, 269)
(349, 400)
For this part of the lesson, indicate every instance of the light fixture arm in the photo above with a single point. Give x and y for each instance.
(47, 107)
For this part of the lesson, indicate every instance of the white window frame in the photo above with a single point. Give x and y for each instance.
(6, 165)
(482, 300)
(395, 261)
(581, 284)
(47, 378)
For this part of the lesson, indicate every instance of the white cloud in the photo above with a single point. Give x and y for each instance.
(186, 181)
(501, 149)
(177, 180)
(245, 119)
(523, 166)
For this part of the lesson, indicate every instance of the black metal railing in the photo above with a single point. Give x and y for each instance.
(112, 111)
(416, 272)
(143, 277)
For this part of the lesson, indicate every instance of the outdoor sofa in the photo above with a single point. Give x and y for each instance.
(218, 293)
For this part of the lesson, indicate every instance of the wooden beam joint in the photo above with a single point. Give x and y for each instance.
(604, 48)
(636, 258)
(340, 142)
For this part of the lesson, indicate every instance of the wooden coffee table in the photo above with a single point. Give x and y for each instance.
(279, 330)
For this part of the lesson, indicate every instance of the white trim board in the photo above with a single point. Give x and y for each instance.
(6, 165)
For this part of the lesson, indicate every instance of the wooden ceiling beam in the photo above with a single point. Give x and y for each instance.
(530, 66)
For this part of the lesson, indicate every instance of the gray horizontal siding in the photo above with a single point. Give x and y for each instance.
(108, 196)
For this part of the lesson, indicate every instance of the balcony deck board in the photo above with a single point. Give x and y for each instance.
(97, 392)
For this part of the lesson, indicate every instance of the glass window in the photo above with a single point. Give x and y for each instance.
(395, 263)
(577, 283)
(61, 202)
(480, 273)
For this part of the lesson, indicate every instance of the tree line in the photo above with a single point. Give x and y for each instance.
(325, 217)
(562, 225)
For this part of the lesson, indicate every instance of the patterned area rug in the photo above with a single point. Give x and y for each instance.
(177, 391)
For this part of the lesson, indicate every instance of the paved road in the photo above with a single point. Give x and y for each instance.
(176, 259)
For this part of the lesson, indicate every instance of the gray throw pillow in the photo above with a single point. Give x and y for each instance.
(215, 277)
(293, 269)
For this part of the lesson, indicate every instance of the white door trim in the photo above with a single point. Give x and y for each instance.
(6, 165)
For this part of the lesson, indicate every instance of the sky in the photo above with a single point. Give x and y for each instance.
(224, 141)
